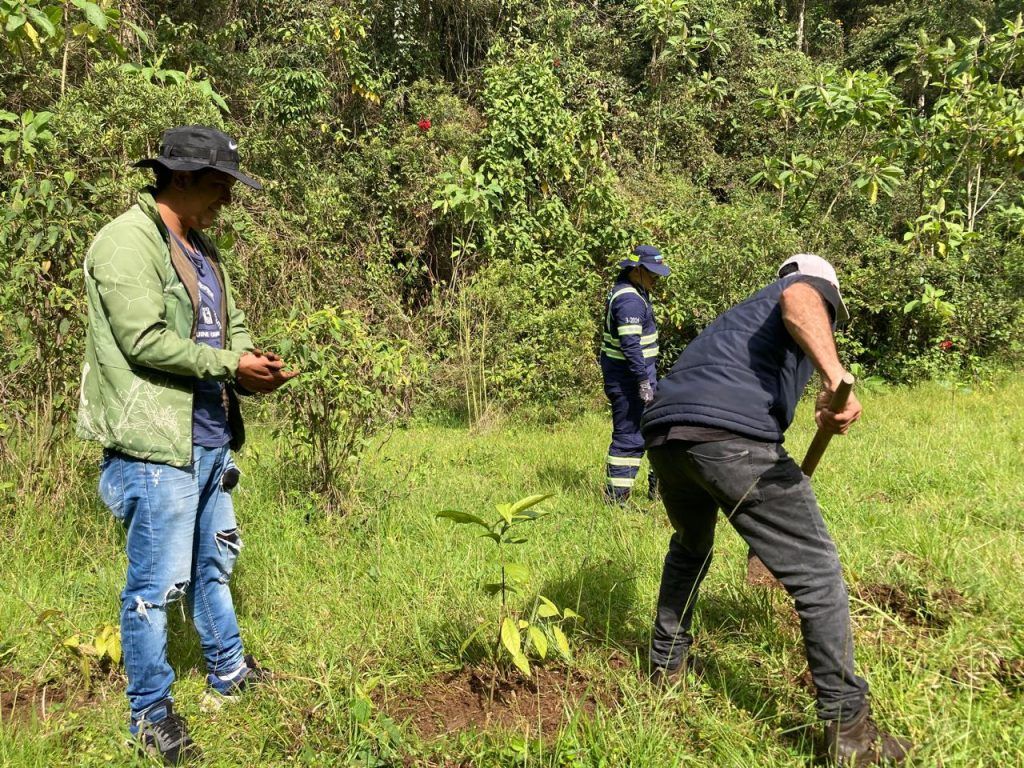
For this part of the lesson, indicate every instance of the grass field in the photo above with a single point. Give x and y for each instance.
(361, 614)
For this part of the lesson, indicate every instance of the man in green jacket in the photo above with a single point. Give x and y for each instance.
(166, 354)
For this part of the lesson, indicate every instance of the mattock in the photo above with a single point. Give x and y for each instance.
(758, 574)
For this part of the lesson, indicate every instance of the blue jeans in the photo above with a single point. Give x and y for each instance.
(182, 542)
(771, 504)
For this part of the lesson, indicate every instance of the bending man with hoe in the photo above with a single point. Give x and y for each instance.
(714, 438)
(629, 359)
(166, 352)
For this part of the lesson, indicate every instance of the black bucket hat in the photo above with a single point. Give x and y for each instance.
(192, 147)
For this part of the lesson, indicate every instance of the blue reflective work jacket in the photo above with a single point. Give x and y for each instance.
(629, 351)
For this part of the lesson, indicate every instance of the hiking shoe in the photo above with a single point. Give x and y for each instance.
(227, 689)
(166, 736)
(614, 499)
(857, 741)
(664, 678)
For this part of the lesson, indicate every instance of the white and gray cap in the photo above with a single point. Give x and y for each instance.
(814, 266)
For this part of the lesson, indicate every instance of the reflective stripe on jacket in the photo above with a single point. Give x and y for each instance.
(630, 339)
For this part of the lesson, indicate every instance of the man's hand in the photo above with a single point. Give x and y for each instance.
(836, 423)
(646, 392)
(262, 373)
(268, 354)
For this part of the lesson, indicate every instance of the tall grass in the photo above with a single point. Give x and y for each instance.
(924, 496)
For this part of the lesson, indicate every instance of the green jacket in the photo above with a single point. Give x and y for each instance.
(141, 361)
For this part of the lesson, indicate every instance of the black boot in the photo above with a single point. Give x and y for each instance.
(652, 487)
(857, 741)
(611, 498)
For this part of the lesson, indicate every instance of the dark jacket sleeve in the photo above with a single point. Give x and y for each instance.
(628, 311)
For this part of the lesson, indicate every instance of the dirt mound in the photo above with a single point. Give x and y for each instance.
(23, 700)
(934, 609)
(1011, 675)
(467, 700)
(758, 575)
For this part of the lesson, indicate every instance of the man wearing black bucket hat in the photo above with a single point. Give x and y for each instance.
(167, 352)
(629, 357)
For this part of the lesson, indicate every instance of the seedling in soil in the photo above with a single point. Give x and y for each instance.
(517, 638)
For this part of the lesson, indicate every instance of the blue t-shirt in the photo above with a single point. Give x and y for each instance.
(209, 408)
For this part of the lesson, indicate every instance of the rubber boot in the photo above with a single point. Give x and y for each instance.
(857, 741)
(611, 498)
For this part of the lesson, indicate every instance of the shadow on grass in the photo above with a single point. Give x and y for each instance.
(604, 593)
(569, 477)
(184, 653)
(782, 701)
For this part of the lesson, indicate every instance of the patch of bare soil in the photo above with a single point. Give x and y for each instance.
(933, 609)
(758, 575)
(466, 700)
(806, 681)
(23, 700)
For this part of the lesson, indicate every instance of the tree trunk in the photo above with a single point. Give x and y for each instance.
(800, 26)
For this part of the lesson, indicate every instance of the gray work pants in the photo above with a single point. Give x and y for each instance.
(770, 503)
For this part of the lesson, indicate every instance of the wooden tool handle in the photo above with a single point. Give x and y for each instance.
(821, 438)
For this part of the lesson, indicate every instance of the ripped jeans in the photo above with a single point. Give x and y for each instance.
(182, 542)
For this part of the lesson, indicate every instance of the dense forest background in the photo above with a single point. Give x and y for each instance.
(449, 184)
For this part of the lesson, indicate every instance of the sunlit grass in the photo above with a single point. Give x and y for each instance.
(926, 495)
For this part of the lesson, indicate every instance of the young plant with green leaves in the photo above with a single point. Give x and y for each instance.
(352, 383)
(517, 638)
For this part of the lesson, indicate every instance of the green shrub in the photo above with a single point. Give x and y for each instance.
(351, 385)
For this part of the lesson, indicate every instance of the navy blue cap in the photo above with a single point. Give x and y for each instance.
(648, 257)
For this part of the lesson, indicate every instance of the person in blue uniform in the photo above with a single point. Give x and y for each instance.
(629, 358)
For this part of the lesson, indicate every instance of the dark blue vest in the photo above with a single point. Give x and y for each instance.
(743, 373)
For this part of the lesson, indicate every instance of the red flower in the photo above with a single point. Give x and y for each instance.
(557, 63)
(945, 345)
(424, 125)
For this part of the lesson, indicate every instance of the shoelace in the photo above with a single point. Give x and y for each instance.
(172, 730)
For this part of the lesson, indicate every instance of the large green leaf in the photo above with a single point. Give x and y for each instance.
(41, 21)
(510, 637)
(514, 572)
(93, 13)
(562, 642)
(461, 518)
(14, 21)
(538, 640)
(522, 663)
(505, 510)
(547, 609)
(527, 502)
